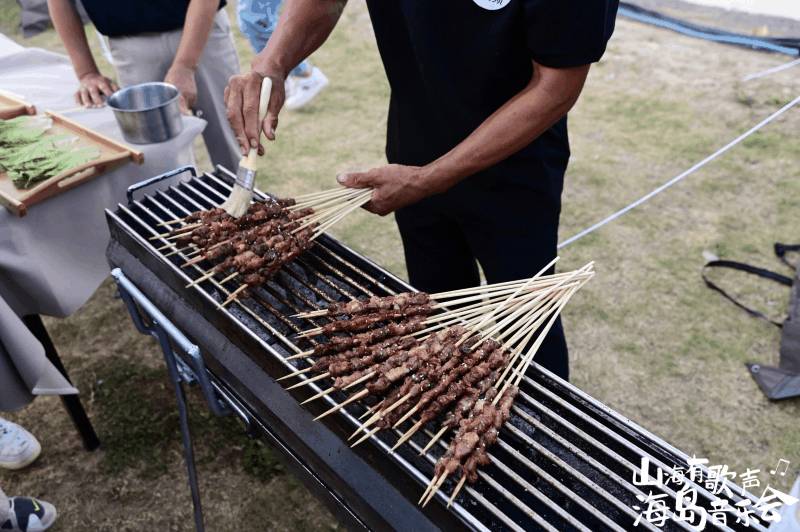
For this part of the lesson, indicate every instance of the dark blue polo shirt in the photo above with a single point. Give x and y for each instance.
(120, 19)
(452, 63)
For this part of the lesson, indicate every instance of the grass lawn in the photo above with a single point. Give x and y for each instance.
(646, 336)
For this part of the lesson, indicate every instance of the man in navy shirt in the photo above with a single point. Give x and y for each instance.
(477, 132)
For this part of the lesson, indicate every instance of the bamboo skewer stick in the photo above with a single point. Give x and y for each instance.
(176, 233)
(405, 437)
(332, 388)
(406, 416)
(170, 222)
(490, 315)
(436, 437)
(294, 374)
(234, 296)
(434, 490)
(428, 489)
(470, 310)
(317, 197)
(229, 278)
(302, 354)
(383, 412)
(468, 295)
(338, 407)
(365, 437)
(456, 490)
(307, 381)
(326, 202)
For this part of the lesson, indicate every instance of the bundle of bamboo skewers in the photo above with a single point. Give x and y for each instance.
(456, 356)
(256, 245)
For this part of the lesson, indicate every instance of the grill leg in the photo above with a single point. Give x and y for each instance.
(186, 435)
(71, 402)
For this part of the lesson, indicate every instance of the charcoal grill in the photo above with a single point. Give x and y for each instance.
(563, 462)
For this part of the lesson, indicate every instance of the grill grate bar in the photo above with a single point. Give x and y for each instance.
(575, 473)
(626, 443)
(528, 488)
(655, 461)
(480, 498)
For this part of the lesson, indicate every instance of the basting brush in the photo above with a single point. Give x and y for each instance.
(242, 194)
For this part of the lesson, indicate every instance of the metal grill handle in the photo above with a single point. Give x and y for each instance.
(153, 180)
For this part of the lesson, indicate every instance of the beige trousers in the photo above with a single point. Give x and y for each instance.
(147, 57)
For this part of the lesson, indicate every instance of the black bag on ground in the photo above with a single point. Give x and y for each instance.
(782, 382)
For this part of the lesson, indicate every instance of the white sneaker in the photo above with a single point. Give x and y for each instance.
(18, 447)
(302, 89)
(29, 515)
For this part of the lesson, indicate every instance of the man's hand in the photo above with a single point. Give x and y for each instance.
(183, 79)
(94, 89)
(241, 100)
(393, 186)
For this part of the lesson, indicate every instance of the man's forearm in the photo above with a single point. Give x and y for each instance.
(302, 28)
(547, 98)
(199, 19)
(70, 28)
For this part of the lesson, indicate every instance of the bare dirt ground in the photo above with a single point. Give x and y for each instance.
(646, 336)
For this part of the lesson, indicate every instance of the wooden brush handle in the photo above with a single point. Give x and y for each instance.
(251, 160)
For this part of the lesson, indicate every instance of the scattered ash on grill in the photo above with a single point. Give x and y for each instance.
(299, 293)
(521, 424)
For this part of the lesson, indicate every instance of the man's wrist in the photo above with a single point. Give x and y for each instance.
(183, 64)
(87, 72)
(268, 67)
(436, 178)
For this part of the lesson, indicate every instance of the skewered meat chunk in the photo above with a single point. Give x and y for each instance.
(398, 302)
(336, 344)
(364, 321)
(467, 450)
(364, 356)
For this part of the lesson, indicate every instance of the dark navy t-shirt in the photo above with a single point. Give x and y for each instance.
(452, 63)
(120, 19)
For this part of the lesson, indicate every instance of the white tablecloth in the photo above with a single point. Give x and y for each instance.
(53, 259)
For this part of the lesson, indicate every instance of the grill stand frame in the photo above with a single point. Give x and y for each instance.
(179, 372)
(356, 509)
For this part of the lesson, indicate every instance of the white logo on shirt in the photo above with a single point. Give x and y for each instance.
(492, 5)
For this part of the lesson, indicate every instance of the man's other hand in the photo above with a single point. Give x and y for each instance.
(183, 79)
(241, 100)
(94, 89)
(393, 186)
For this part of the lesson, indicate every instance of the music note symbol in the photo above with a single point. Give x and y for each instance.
(784, 463)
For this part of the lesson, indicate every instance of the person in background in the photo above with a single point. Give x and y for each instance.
(257, 21)
(187, 43)
(18, 449)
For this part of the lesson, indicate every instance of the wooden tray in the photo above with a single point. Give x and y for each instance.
(112, 155)
(11, 106)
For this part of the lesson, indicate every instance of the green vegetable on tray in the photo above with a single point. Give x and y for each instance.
(28, 156)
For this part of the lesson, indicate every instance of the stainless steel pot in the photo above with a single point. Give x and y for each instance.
(148, 112)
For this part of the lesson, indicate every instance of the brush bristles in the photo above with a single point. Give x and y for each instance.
(238, 202)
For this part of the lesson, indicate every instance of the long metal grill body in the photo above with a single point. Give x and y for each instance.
(563, 462)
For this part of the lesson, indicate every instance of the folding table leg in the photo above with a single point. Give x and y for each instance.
(71, 402)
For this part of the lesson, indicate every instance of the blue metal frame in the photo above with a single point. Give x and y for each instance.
(180, 372)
